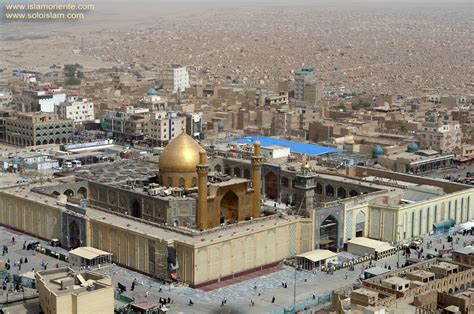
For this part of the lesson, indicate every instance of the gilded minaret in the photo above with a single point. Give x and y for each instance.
(202, 170)
(257, 161)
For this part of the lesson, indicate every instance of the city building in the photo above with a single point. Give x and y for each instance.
(165, 126)
(37, 128)
(194, 125)
(442, 137)
(432, 285)
(416, 161)
(129, 123)
(6, 99)
(464, 256)
(307, 86)
(48, 99)
(153, 101)
(63, 290)
(272, 100)
(76, 108)
(175, 78)
(284, 122)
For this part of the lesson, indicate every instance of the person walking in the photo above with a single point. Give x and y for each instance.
(273, 299)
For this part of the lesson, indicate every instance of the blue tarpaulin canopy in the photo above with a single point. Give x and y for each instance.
(295, 147)
(444, 225)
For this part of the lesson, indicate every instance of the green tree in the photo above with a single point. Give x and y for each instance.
(72, 81)
(360, 105)
(70, 70)
(403, 128)
(342, 107)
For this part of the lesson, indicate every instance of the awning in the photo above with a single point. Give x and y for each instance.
(445, 224)
(88, 252)
(317, 255)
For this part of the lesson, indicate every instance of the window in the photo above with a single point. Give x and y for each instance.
(456, 210)
(468, 208)
(419, 222)
(428, 220)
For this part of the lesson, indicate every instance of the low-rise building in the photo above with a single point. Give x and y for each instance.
(6, 99)
(62, 290)
(464, 255)
(37, 128)
(76, 108)
(429, 285)
(443, 137)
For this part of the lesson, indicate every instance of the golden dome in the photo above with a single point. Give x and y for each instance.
(181, 155)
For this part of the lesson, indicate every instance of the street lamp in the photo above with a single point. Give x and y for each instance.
(297, 267)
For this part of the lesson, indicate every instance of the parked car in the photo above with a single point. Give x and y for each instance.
(55, 242)
(32, 244)
(416, 243)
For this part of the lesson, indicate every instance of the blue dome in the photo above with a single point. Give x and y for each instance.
(151, 92)
(377, 151)
(412, 147)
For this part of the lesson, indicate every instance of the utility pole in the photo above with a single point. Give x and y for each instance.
(294, 287)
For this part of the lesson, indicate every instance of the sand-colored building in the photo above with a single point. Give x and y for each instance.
(62, 290)
(226, 233)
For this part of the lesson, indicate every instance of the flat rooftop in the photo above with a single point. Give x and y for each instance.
(118, 172)
(467, 250)
(366, 292)
(66, 281)
(396, 280)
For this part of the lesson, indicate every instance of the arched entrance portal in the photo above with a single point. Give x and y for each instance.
(74, 235)
(69, 193)
(135, 209)
(271, 186)
(230, 207)
(328, 233)
(360, 224)
(82, 192)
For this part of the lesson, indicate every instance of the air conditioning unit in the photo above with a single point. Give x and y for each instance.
(153, 192)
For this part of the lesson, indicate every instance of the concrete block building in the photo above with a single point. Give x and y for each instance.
(37, 128)
(62, 290)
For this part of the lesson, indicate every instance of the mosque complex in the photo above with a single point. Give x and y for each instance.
(202, 215)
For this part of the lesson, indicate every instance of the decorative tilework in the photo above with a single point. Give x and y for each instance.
(292, 240)
(349, 217)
